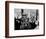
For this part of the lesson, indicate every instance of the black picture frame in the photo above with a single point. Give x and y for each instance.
(7, 18)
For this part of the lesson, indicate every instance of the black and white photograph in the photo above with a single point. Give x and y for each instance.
(25, 19)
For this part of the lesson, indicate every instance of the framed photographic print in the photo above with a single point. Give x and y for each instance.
(24, 19)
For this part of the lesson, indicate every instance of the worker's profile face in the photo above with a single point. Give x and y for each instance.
(33, 19)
